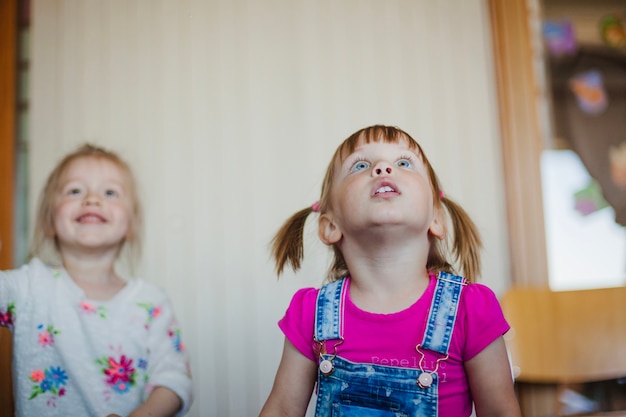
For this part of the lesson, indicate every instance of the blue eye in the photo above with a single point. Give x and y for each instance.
(360, 166)
(404, 163)
(111, 193)
(73, 191)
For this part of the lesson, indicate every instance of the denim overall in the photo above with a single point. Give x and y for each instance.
(366, 390)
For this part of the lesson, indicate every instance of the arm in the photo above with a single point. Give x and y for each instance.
(491, 382)
(168, 366)
(293, 385)
(162, 402)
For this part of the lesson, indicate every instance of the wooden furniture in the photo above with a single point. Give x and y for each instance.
(567, 340)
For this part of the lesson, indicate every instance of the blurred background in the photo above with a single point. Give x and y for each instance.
(229, 111)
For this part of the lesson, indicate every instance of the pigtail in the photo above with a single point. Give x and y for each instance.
(466, 243)
(288, 243)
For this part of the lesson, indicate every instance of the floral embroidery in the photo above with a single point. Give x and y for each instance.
(91, 309)
(46, 338)
(7, 318)
(120, 375)
(37, 375)
(55, 270)
(51, 380)
(153, 312)
(176, 341)
(142, 364)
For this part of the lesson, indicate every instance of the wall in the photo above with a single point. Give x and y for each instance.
(229, 112)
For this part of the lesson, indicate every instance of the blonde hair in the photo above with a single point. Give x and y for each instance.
(288, 245)
(44, 239)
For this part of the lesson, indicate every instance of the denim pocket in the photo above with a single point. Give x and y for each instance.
(351, 410)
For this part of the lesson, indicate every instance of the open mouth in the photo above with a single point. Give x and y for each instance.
(385, 189)
(90, 218)
(384, 186)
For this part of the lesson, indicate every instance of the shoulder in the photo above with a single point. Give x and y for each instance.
(33, 275)
(478, 290)
(304, 298)
(481, 317)
(35, 267)
(479, 293)
(146, 291)
(297, 323)
(478, 300)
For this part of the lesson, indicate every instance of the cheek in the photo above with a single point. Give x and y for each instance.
(125, 217)
(59, 213)
(57, 219)
(340, 202)
(345, 192)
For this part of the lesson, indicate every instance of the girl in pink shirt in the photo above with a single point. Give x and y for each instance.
(394, 332)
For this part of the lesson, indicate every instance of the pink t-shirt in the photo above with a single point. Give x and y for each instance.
(390, 339)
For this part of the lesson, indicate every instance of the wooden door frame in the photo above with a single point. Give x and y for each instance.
(8, 103)
(519, 98)
(8, 111)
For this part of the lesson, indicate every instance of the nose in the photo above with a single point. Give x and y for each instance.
(91, 199)
(382, 168)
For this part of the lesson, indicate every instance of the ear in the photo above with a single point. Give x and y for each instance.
(438, 227)
(328, 230)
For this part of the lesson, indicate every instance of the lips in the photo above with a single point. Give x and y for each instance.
(90, 218)
(383, 187)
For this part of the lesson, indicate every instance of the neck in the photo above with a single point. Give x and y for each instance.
(388, 274)
(95, 275)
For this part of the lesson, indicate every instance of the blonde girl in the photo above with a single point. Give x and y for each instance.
(87, 341)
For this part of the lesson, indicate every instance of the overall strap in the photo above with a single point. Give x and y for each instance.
(443, 311)
(329, 311)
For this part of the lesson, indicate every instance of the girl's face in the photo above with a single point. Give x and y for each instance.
(382, 184)
(92, 207)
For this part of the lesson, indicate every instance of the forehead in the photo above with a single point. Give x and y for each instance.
(89, 167)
